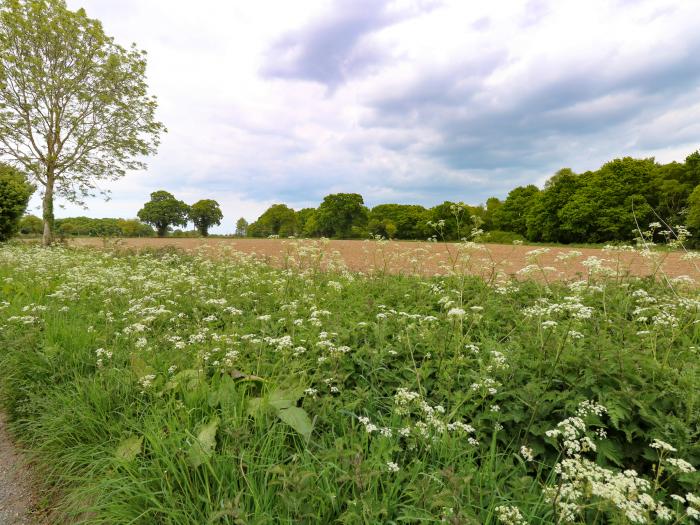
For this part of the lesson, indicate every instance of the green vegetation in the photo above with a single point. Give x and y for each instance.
(611, 204)
(15, 192)
(241, 227)
(204, 214)
(278, 219)
(165, 388)
(163, 211)
(75, 106)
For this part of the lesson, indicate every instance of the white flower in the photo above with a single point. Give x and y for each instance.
(526, 453)
(455, 312)
(510, 515)
(681, 465)
(662, 445)
(392, 467)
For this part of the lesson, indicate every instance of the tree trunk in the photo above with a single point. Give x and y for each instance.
(48, 211)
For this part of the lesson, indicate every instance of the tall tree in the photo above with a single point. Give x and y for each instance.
(205, 214)
(163, 211)
(543, 220)
(241, 227)
(15, 191)
(341, 215)
(74, 107)
(278, 219)
(511, 216)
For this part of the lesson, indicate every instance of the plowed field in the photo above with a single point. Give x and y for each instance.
(431, 258)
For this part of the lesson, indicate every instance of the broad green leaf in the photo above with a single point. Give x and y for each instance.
(225, 395)
(280, 399)
(298, 419)
(189, 379)
(205, 443)
(129, 448)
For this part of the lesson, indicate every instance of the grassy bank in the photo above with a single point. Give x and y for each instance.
(171, 389)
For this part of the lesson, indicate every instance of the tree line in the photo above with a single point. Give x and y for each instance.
(612, 203)
(609, 204)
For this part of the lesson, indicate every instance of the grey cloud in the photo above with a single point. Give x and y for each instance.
(331, 49)
(536, 124)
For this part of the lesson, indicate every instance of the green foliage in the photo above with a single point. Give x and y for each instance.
(223, 390)
(693, 212)
(163, 211)
(342, 215)
(31, 225)
(403, 221)
(306, 222)
(205, 214)
(611, 202)
(512, 214)
(501, 237)
(15, 192)
(241, 227)
(90, 227)
(278, 219)
(75, 107)
(543, 219)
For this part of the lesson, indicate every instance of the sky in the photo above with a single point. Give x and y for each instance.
(410, 101)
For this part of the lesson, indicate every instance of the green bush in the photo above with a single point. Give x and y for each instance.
(501, 237)
(15, 192)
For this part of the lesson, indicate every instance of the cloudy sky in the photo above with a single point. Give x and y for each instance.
(413, 101)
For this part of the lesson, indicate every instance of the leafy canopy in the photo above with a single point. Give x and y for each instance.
(163, 211)
(205, 214)
(339, 213)
(74, 106)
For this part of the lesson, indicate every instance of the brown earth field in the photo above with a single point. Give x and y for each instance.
(425, 258)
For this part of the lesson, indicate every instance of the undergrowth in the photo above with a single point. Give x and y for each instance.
(178, 389)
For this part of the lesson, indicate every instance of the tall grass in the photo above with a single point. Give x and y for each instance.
(179, 389)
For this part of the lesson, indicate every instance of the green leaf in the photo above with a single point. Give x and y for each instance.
(129, 448)
(189, 379)
(280, 399)
(298, 419)
(255, 406)
(225, 396)
(139, 366)
(203, 447)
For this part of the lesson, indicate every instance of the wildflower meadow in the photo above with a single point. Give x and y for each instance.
(160, 387)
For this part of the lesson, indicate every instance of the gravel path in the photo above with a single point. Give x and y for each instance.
(16, 496)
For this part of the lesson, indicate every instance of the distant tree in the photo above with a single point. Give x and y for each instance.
(492, 204)
(693, 214)
(403, 221)
(278, 219)
(342, 215)
(205, 214)
(306, 222)
(15, 191)
(163, 211)
(610, 202)
(543, 219)
(511, 216)
(31, 225)
(241, 227)
(454, 220)
(134, 228)
(75, 107)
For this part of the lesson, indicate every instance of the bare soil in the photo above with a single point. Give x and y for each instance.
(17, 496)
(423, 257)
